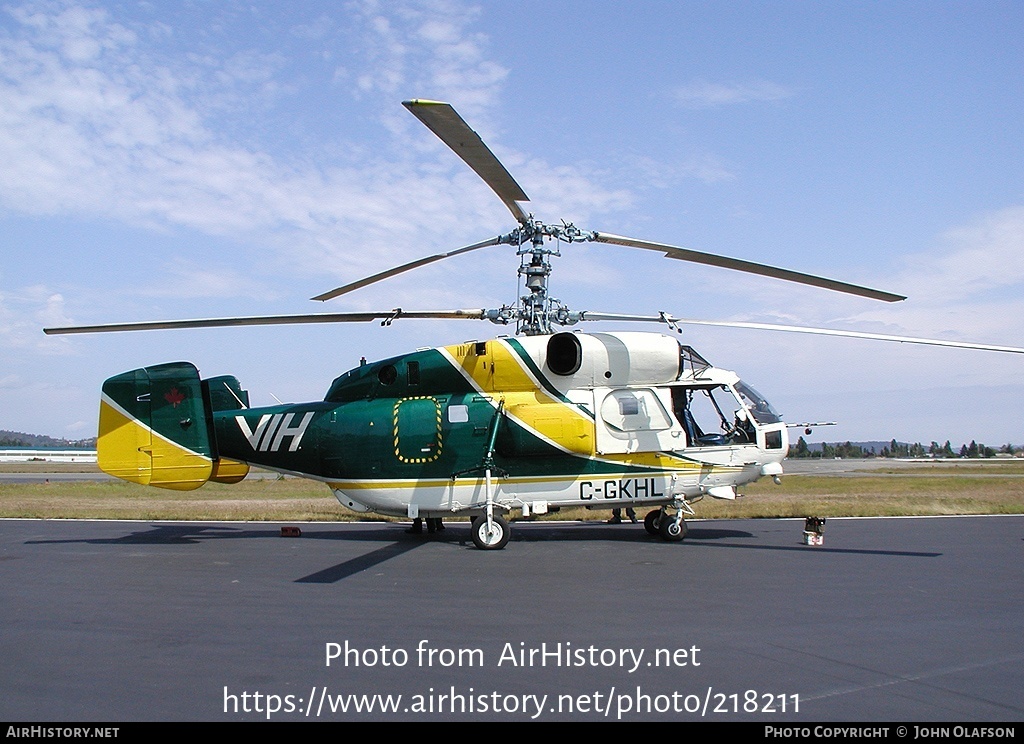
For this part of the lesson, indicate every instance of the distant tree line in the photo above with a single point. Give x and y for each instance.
(849, 450)
(21, 439)
(826, 450)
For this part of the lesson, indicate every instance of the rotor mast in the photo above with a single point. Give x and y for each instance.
(535, 269)
(538, 311)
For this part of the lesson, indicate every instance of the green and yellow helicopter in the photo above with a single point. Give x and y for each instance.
(530, 423)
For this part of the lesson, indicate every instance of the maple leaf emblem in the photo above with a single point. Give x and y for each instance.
(174, 396)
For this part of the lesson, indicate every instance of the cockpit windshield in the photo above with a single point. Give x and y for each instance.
(759, 407)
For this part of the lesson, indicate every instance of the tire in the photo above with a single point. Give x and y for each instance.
(671, 531)
(651, 522)
(494, 539)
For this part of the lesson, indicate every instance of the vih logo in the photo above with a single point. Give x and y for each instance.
(271, 430)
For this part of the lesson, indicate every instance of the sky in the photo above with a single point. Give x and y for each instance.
(207, 159)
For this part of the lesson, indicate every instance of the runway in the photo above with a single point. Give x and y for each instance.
(890, 620)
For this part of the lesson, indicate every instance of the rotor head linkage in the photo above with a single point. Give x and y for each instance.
(538, 312)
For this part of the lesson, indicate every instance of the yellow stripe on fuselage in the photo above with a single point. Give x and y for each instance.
(501, 372)
(663, 461)
(387, 484)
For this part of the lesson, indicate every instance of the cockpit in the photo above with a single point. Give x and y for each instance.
(716, 415)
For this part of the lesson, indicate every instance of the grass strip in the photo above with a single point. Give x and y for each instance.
(933, 490)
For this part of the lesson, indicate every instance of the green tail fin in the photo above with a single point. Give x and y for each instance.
(156, 427)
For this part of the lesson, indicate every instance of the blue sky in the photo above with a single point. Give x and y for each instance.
(196, 159)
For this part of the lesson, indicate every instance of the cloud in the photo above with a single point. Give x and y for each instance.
(23, 313)
(10, 382)
(427, 47)
(971, 282)
(982, 259)
(969, 287)
(103, 120)
(184, 280)
(98, 122)
(315, 30)
(704, 95)
(704, 167)
(80, 428)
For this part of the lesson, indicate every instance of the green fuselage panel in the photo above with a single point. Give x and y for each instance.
(416, 417)
(402, 438)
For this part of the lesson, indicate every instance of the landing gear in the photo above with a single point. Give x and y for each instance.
(651, 522)
(490, 536)
(659, 523)
(672, 529)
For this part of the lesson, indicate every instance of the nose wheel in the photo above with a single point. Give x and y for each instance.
(669, 527)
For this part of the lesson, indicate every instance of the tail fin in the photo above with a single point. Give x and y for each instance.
(156, 428)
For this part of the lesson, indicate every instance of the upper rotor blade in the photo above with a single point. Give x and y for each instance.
(710, 259)
(387, 316)
(444, 121)
(403, 268)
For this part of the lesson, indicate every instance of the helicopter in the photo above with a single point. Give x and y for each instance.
(528, 423)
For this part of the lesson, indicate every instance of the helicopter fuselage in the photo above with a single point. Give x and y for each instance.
(612, 426)
(484, 428)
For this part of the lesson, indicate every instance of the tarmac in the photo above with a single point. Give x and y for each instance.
(890, 620)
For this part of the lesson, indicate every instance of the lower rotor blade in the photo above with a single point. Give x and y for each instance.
(626, 318)
(387, 316)
(848, 334)
(674, 322)
(750, 267)
(403, 268)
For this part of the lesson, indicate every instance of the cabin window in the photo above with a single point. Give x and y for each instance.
(387, 374)
(635, 410)
(458, 414)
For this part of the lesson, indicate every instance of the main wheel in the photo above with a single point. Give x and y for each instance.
(651, 522)
(490, 537)
(671, 530)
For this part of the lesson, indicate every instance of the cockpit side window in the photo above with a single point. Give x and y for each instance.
(702, 413)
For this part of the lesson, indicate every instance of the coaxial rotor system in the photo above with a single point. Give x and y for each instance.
(536, 312)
